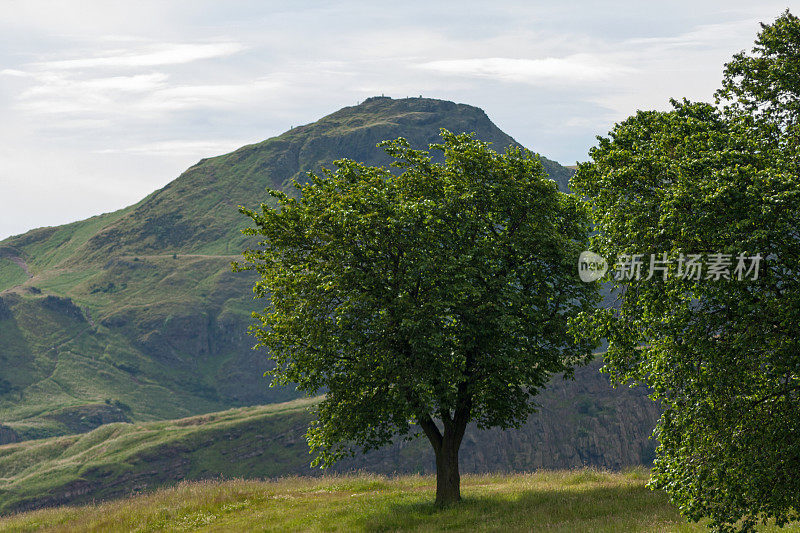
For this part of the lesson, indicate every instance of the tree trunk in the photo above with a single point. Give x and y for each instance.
(448, 479)
(445, 446)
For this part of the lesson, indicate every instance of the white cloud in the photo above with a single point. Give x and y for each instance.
(138, 96)
(60, 94)
(68, 88)
(180, 147)
(702, 36)
(151, 56)
(576, 68)
(183, 97)
(13, 72)
(51, 85)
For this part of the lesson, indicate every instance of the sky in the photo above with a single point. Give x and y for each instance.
(103, 102)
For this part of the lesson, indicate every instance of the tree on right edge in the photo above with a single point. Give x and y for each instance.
(722, 356)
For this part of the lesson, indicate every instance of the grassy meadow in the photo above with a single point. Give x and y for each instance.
(551, 501)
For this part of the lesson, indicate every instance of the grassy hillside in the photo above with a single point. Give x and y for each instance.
(119, 458)
(578, 424)
(138, 310)
(583, 500)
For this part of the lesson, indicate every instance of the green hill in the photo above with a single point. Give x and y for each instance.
(580, 423)
(135, 315)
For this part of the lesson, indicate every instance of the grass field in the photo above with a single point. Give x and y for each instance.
(567, 501)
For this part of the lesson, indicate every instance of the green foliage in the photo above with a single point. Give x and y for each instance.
(439, 293)
(766, 83)
(721, 356)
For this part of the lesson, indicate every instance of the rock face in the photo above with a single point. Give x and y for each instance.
(7, 435)
(5, 312)
(580, 422)
(83, 418)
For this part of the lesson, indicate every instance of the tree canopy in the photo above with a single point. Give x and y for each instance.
(720, 350)
(422, 298)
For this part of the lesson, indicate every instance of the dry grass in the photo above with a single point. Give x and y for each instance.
(582, 500)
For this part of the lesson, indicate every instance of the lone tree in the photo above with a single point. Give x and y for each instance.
(720, 349)
(433, 296)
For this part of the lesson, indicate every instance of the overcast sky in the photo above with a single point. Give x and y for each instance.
(103, 102)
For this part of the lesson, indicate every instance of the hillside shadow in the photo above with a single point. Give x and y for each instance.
(562, 509)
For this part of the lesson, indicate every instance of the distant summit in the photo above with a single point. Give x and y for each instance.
(197, 212)
(135, 315)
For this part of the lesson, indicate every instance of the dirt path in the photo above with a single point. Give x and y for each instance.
(17, 260)
(162, 256)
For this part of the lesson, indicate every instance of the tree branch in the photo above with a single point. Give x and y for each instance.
(431, 431)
